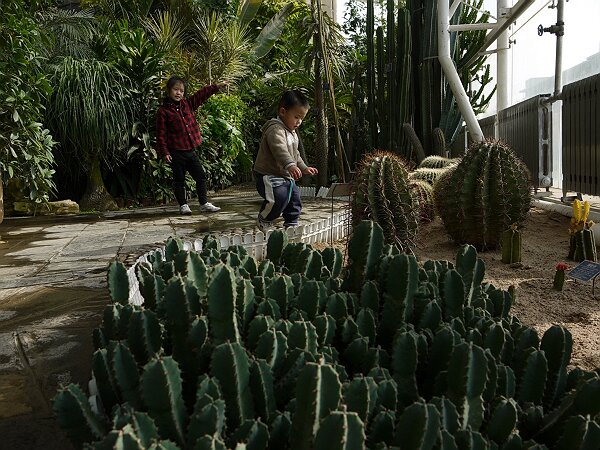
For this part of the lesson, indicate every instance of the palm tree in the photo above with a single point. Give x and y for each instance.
(90, 114)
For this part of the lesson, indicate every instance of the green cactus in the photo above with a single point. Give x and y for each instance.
(276, 245)
(418, 427)
(428, 175)
(76, 417)
(511, 245)
(340, 430)
(126, 375)
(105, 380)
(263, 391)
(533, 380)
(230, 365)
(557, 344)
(483, 195)
(579, 433)
(466, 379)
(161, 392)
(141, 423)
(439, 142)
(423, 193)
(222, 306)
(251, 435)
(303, 335)
(382, 194)
(118, 283)
(209, 442)
(404, 367)
(503, 420)
(415, 142)
(382, 429)
(208, 418)
(585, 245)
(318, 393)
(364, 253)
(401, 277)
(272, 347)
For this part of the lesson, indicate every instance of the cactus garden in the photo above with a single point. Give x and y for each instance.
(304, 351)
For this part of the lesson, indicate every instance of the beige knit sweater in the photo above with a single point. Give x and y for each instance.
(278, 150)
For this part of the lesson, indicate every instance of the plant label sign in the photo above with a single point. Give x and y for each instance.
(585, 271)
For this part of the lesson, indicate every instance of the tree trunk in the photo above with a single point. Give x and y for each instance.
(1, 200)
(96, 197)
(322, 139)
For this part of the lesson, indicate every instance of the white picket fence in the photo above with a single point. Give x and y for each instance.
(325, 230)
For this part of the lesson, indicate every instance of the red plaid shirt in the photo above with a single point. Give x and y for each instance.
(176, 125)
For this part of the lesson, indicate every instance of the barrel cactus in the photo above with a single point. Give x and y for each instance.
(438, 162)
(483, 195)
(382, 194)
(423, 192)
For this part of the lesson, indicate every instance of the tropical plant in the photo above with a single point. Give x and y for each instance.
(90, 114)
(25, 144)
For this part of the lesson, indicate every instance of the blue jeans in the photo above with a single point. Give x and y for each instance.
(282, 198)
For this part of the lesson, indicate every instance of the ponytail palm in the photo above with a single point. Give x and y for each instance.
(89, 114)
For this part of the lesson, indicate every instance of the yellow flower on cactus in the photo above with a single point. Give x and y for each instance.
(577, 210)
(586, 211)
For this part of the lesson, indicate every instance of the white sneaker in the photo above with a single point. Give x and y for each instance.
(185, 210)
(209, 207)
(263, 225)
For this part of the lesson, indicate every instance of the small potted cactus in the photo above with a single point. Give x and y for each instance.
(559, 276)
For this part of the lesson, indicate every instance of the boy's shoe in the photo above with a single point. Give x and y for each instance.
(263, 225)
(209, 207)
(290, 225)
(185, 210)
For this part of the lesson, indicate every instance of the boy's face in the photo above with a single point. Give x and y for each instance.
(292, 117)
(176, 92)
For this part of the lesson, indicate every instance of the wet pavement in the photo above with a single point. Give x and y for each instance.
(53, 291)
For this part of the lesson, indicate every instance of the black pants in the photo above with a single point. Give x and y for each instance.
(181, 163)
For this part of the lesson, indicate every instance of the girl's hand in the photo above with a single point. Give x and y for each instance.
(169, 158)
(310, 171)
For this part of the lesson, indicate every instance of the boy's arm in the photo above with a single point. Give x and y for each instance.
(196, 100)
(161, 134)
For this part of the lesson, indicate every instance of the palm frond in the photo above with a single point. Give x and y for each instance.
(71, 31)
(89, 111)
(167, 30)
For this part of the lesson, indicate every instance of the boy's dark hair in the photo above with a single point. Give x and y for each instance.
(292, 98)
(173, 81)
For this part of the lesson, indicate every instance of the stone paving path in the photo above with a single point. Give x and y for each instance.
(53, 291)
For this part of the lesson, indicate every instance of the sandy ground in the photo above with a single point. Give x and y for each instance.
(545, 244)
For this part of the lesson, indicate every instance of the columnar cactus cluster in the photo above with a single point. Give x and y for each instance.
(483, 195)
(297, 352)
(382, 194)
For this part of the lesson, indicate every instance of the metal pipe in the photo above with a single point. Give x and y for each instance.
(503, 23)
(502, 78)
(560, 15)
(462, 99)
(472, 26)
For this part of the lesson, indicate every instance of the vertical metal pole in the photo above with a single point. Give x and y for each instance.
(560, 14)
(502, 81)
(462, 99)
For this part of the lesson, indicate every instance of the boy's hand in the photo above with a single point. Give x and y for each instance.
(310, 171)
(295, 172)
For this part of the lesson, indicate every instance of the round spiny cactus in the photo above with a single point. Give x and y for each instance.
(382, 194)
(487, 192)
(437, 162)
(428, 175)
(423, 193)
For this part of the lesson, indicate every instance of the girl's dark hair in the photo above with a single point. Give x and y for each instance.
(292, 98)
(173, 81)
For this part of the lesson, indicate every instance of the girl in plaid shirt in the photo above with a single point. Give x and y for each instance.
(177, 137)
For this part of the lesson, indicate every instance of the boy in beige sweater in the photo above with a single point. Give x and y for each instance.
(278, 163)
